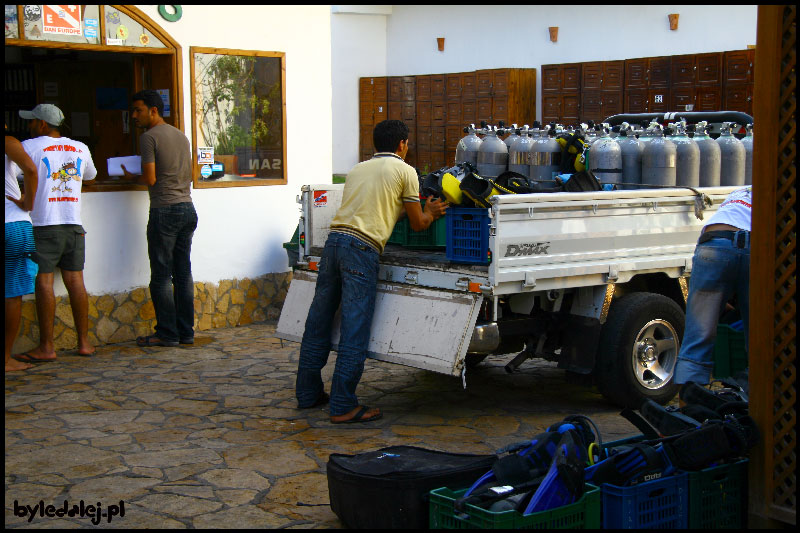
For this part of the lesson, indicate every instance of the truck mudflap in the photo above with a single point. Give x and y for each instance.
(413, 326)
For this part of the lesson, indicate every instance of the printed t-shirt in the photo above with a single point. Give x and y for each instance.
(13, 212)
(373, 197)
(168, 148)
(736, 210)
(63, 165)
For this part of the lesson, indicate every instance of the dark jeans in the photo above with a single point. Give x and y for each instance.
(348, 275)
(169, 245)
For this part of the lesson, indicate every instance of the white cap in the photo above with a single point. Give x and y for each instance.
(47, 112)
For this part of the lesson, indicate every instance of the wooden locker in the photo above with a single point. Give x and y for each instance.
(438, 113)
(500, 111)
(709, 69)
(551, 108)
(551, 78)
(453, 112)
(570, 108)
(437, 87)
(366, 92)
(709, 98)
(468, 86)
(592, 76)
(592, 106)
(424, 113)
(612, 103)
(365, 115)
(437, 159)
(423, 88)
(684, 69)
(409, 88)
(452, 84)
(658, 71)
(452, 134)
(739, 97)
(395, 110)
(635, 101)
(571, 77)
(613, 75)
(635, 73)
(380, 112)
(469, 112)
(484, 109)
(395, 89)
(437, 138)
(408, 111)
(380, 89)
(483, 83)
(658, 100)
(682, 96)
(424, 161)
(500, 81)
(738, 66)
(424, 137)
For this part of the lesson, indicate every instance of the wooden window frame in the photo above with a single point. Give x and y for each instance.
(198, 184)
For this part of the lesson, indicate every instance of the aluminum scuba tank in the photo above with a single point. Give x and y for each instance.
(519, 153)
(605, 159)
(545, 156)
(467, 148)
(659, 161)
(511, 138)
(687, 171)
(710, 156)
(733, 157)
(748, 151)
(631, 149)
(492, 154)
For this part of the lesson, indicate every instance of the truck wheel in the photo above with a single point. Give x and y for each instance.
(638, 350)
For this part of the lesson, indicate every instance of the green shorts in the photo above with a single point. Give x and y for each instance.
(62, 246)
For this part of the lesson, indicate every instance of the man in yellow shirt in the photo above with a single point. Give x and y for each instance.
(376, 193)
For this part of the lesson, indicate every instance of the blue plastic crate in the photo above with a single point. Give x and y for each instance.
(658, 504)
(468, 235)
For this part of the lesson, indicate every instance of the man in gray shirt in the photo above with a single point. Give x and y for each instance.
(167, 172)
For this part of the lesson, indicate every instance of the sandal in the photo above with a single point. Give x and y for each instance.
(359, 417)
(152, 340)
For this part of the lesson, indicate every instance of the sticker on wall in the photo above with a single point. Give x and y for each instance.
(205, 155)
(91, 23)
(114, 42)
(205, 171)
(112, 17)
(32, 13)
(122, 32)
(144, 39)
(320, 198)
(62, 20)
(165, 97)
(90, 33)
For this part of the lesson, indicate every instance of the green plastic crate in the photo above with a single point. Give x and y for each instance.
(583, 514)
(730, 353)
(435, 236)
(399, 233)
(718, 497)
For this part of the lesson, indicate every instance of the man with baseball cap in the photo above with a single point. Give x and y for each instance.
(62, 164)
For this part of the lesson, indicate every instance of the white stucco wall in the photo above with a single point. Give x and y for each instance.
(241, 229)
(497, 36)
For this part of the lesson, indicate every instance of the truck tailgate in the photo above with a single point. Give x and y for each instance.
(414, 326)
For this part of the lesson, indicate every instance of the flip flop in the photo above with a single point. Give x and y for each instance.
(359, 417)
(28, 358)
(152, 340)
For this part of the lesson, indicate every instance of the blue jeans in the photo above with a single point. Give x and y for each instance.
(719, 270)
(348, 276)
(169, 245)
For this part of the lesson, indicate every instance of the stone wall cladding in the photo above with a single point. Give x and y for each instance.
(122, 317)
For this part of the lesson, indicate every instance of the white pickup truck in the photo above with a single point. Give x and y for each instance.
(595, 281)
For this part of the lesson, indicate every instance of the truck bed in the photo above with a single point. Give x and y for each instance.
(396, 255)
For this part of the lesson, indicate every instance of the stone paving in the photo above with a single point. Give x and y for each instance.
(209, 435)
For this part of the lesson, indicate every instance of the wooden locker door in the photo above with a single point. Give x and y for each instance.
(612, 103)
(452, 84)
(423, 88)
(409, 111)
(592, 75)
(483, 83)
(395, 111)
(438, 113)
(366, 89)
(395, 89)
(500, 82)
(570, 108)
(658, 100)
(484, 110)
(738, 97)
(551, 78)
(659, 71)
(424, 114)
(365, 117)
(709, 69)
(708, 99)
(452, 134)
(453, 112)
(380, 112)
(424, 161)
(380, 89)
(592, 108)
(437, 87)
(684, 69)
(613, 76)
(469, 112)
(409, 88)
(500, 110)
(438, 159)
(551, 108)
(468, 86)
(571, 78)
(424, 138)
(437, 138)
(635, 73)
(635, 101)
(682, 96)
(737, 67)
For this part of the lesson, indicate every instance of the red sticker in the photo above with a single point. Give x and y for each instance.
(320, 198)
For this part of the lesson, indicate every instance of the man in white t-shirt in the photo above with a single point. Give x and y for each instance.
(63, 165)
(720, 270)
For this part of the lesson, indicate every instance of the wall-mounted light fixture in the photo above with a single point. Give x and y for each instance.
(440, 42)
(553, 33)
(673, 21)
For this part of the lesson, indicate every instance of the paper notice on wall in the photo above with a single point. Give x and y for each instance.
(62, 20)
(165, 97)
(205, 155)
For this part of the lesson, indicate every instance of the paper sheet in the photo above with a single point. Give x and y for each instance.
(133, 164)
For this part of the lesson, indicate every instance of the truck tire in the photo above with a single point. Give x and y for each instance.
(638, 350)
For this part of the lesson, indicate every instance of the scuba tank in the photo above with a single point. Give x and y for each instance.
(519, 153)
(511, 138)
(748, 151)
(688, 154)
(605, 159)
(492, 154)
(659, 161)
(710, 156)
(631, 149)
(733, 157)
(467, 148)
(545, 155)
